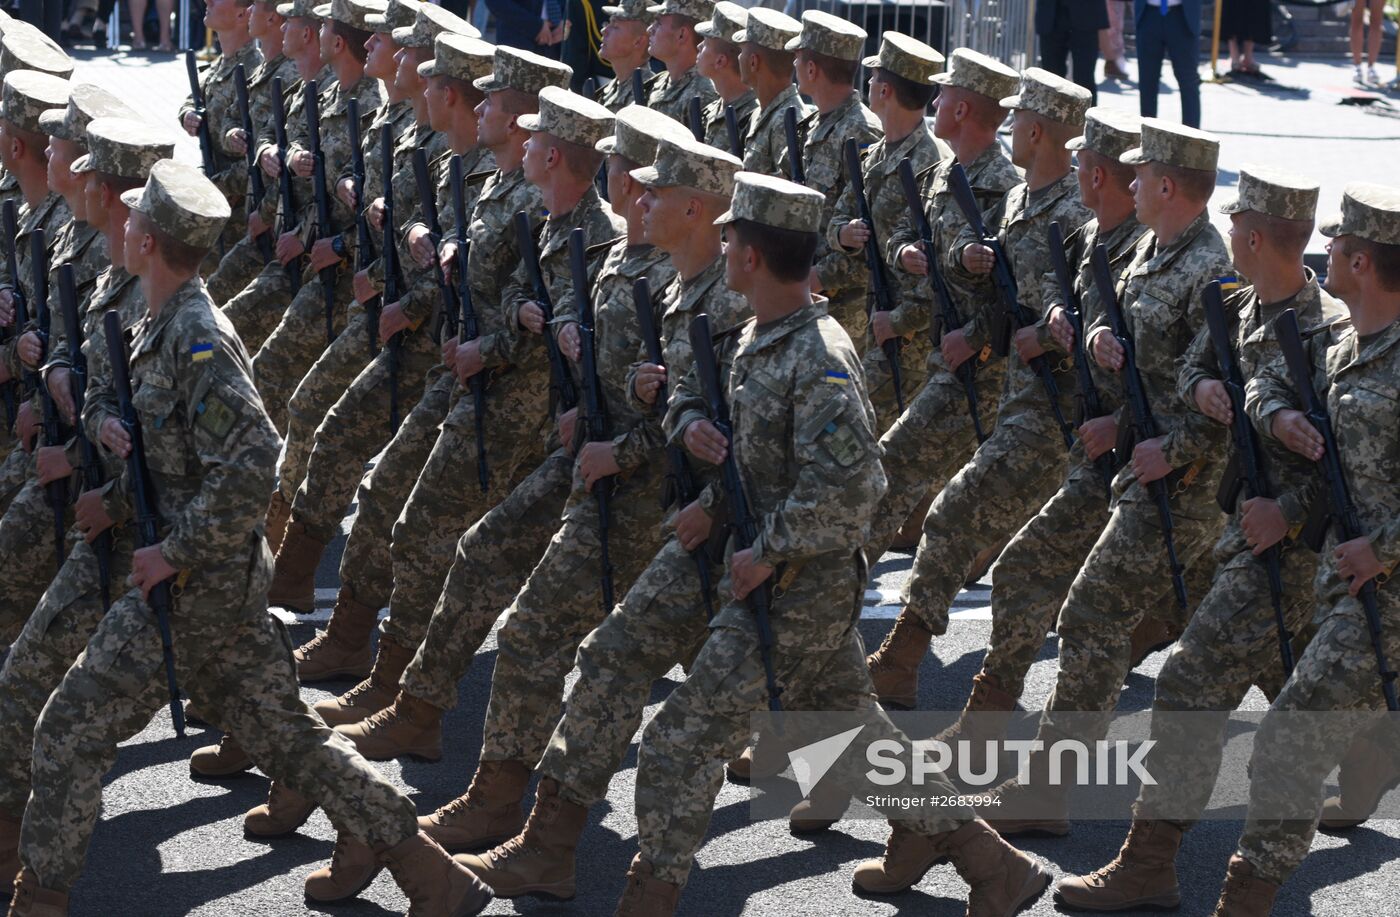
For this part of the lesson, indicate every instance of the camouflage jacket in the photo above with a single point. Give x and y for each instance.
(293, 107)
(221, 111)
(617, 94)
(114, 289)
(717, 131)
(260, 92)
(671, 95)
(396, 118)
(494, 260)
(51, 215)
(840, 272)
(83, 247)
(765, 144)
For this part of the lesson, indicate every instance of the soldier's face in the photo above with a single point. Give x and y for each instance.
(1341, 282)
(263, 21)
(132, 241)
(61, 155)
(216, 14)
(707, 61)
(406, 78)
(296, 35)
(664, 37)
(945, 107)
(1022, 131)
(747, 63)
(92, 200)
(804, 73)
(1146, 200)
(736, 262)
(663, 217)
(381, 62)
(622, 39)
(328, 39)
(492, 121)
(536, 162)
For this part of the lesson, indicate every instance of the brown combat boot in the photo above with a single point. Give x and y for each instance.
(907, 538)
(294, 575)
(374, 693)
(33, 900)
(822, 808)
(279, 512)
(436, 885)
(1029, 808)
(342, 650)
(214, 762)
(979, 723)
(1366, 774)
(407, 728)
(1143, 874)
(894, 667)
(1244, 894)
(1149, 636)
(9, 846)
(983, 562)
(1001, 879)
(908, 857)
(353, 866)
(487, 814)
(743, 770)
(284, 812)
(646, 896)
(540, 859)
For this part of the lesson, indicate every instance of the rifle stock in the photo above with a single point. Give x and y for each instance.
(57, 491)
(796, 172)
(390, 254)
(324, 229)
(284, 178)
(731, 129)
(469, 329)
(595, 417)
(695, 119)
(882, 300)
(257, 190)
(562, 391)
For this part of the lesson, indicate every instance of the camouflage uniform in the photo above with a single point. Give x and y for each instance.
(765, 141)
(671, 94)
(617, 94)
(717, 129)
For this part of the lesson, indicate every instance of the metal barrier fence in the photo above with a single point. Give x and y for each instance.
(1004, 29)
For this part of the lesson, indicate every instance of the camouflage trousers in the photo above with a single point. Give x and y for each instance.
(238, 268)
(1007, 479)
(1041, 561)
(14, 471)
(28, 552)
(53, 637)
(257, 308)
(849, 310)
(705, 722)
(559, 605)
(879, 380)
(508, 541)
(242, 671)
(1230, 643)
(293, 346)
(662, 621)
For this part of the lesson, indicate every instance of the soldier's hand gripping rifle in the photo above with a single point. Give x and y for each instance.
(595, 406)
(1007, 292)
(1340, 506)
(324, 229)
(468, 328)
(947, 318)
(794, 146)
(561, 385)
(392, 277)
(206, 143)
(364, 244)
(87, 452)
(1090, 404)
(1142, 425)
(12, 389)
(427, 199)
(57, 491)
(695, 119)
(741, 518)
(284, 178)
(1246, 469)
(144, 504)
(882, 300)
(731, 130)
(682, 488)
(257, 189)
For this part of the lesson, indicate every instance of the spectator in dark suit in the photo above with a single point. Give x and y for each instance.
(524, 24)
(1169, 29)
(1069, 30)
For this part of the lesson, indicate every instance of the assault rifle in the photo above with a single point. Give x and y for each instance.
(639, 88)
(206, 142)
(11, 229)
(882, 299)
(695, 119)
(284, 177)
(257, 190)
(57, 491)
(794, 146)
(324, 229)
(731, 129)
(392, 276)
(468, 328)
(595, 407)
(427, 199)
(561, 385)
(364, 247)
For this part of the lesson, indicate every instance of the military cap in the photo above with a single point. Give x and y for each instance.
(1109, 132)
(124, 147)
(636, 132)
(1274, 192)
(906, 57)
(976, 72)
(398, 14)
(769, 29)
(1369, 211)
(524, 71)
(431, 21)
(298, 9)
(1050, 96)
(181, 202)
(698, 10)
(569, 116)
(85, 102)
(353, 13)
(774, 202)
(725, 23)
(460, 57)
(685, 162)
(28, 94)
(631, 9)
(823, 33)
(1174, 145)
(23, 47)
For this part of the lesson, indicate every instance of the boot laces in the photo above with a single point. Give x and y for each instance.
(349, 698)
(459, 806)
(314, 643)
(381, 719)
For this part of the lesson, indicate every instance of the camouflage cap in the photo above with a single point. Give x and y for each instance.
(906, 57)
(699, 10)
(182, 203)
(298, 9)
(727, 21)
(1174, 145)
(1109, 132)
(823, 33)
(85, 102)
(124, 147)
(460, 57)
(430, 22)
(774, 202)
(631, 9)
(398, 14)
(524, 71)
(1369, 211)
(28, 94)
(23, 47)
(1274, 192)
(636, 132)
(769, 29)
(569, 116)
(350, 12)
(976, 72)
(685, 162)
(1050, 96)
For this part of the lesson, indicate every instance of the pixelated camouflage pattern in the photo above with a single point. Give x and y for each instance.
(181, 202)
(24, 47)
(712, 115)
(124, 147)
(699, 10)
(636, 132)
(976, 72)
(1051, 96)
(524, 70)
(1370, 211)
(630, 9)
(765, 144)
(684, 162)
(349, 12)
(221, 110)
(1274, 192)
(397, 14)
(28, 94)
(1174, 145)
(671, 93)
(1108, 132)
(85, 103)
(569, 116)
(907, 57)
(830, 35)
(775, 202)
(460, 57)
(726, 21)
(617, 94)
(768, 29)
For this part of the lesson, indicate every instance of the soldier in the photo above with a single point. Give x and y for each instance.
(1355, 370)
(718, 61)
(674, 42)
(811, 524)
(664, 617)
(1231, 641)
(624, 46)
(765, 64)
(1126, 572)
(233, 657)
(122, 153)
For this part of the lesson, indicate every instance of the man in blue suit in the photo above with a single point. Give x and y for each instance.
(1169, 28)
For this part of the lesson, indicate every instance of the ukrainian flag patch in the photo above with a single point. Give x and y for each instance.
(1229, 283)
(834, 377)
(201, 351)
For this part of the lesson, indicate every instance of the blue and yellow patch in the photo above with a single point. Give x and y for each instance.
(201, 351)
(835, 377)
(1229, 283)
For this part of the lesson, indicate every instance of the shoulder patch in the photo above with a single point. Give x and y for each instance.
(203, 350)
(841, 442)
(215, 415)
(1228, 283)
(836, 377)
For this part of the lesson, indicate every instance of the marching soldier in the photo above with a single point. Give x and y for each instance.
(718, 61)
(766, 66)
(674, 42)
(624, 46)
